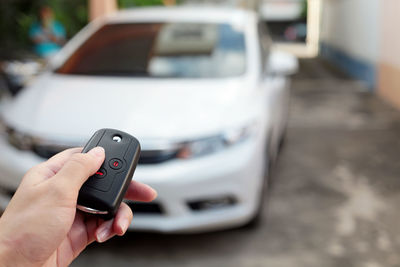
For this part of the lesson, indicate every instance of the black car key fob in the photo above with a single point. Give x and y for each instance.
(103, 192)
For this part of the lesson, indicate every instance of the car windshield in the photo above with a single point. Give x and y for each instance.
(170, 50)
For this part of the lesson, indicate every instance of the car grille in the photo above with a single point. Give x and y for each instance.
(145, 208)
(47, 151)
(137, 207)
(146, 157)
(156, 157)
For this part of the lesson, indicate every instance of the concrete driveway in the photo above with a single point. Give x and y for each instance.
(334, 199)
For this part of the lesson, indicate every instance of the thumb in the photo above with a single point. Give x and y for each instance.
(78, 168)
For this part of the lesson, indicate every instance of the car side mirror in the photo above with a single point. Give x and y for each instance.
(282, 63)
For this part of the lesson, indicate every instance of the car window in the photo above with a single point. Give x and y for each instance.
(179, 50)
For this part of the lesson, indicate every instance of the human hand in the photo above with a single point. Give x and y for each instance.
(41, 225)
(39, 38)
(56, 39)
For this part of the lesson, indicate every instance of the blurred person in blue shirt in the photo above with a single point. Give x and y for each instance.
(48, 34)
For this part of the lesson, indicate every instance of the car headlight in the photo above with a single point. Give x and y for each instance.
(43, 148)
(215, 143)
(16, 138)
(19, 140)
(2, 126)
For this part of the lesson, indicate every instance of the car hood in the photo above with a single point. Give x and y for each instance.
(71, 108)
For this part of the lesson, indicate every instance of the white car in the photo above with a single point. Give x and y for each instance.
(199, 87)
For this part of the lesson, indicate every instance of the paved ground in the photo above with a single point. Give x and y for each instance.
(334, 201)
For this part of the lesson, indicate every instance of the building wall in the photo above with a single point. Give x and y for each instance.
(361, 37)
(389, 57)
(350, 36)
(98, 8)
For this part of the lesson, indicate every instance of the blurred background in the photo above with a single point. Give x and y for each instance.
(333, 191)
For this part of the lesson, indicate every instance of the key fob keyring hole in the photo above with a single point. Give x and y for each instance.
(117, 138)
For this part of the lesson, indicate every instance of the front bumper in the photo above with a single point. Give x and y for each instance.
(236, 172)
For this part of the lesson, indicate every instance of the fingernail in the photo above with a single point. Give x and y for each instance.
(98, 151)
(104, 231)
(155, 194)
(124, 225)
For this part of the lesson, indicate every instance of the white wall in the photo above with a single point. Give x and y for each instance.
(352, 26)
(98, 8)
(389, 62)
(390, 37)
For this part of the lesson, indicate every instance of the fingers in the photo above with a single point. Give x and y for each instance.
(56, 162)
(78, 167)
(118, 226)
(105, 231)
(92, 223)
(140, 192)
(123, 219)
(50, 167)
(78, 235)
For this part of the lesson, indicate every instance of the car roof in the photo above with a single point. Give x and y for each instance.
(183, 14)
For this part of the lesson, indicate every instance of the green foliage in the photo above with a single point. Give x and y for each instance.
(17, 16)
(73, 14)
(23, 24)
(132, 3)
(304, 9)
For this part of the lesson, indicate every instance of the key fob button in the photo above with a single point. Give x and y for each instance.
(100, 173)
(102, 184)
(115, 164)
